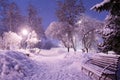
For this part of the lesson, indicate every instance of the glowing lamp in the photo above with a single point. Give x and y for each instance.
(25, 32)
(80, 21)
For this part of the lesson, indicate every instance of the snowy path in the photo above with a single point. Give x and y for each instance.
(57, 68)
(48, 65)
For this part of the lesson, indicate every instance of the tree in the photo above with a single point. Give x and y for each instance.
(12, 17)
(4, 4)
(1, 43)
(35, 21)
(111, 31)
(57, 30)
(11, 40)
(86, 29)
(67, 12)
(32, 39)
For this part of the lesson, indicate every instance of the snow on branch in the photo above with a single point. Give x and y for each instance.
(105, 5)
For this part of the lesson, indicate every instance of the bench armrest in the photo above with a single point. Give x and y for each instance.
(88, 61)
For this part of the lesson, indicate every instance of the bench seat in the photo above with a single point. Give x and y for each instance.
(95, 69)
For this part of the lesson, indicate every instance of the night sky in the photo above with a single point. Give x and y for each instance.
(47, 9)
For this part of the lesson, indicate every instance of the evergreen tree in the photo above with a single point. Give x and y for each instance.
(67, 12)
(111, 32)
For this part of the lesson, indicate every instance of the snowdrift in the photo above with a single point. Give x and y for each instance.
(15, 66)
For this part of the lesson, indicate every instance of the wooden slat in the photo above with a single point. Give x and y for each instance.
(109, 63)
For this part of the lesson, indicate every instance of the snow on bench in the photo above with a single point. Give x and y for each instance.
(104, 66)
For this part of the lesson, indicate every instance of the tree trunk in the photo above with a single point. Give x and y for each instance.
(73, 45)
(86, 49)
(68, 49)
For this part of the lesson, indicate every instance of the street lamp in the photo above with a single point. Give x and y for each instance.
(24, 33)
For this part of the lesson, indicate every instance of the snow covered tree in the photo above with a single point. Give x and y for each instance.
(35, 21)
(67, 12)
(11, 40)
(58, 30)
(32, 39)
(86, 29)
(14, 16)
(111, 32)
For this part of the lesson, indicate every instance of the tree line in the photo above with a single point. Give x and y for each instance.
(13, 20)
(73, 27)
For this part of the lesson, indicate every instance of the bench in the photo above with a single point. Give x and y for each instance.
(103, 66)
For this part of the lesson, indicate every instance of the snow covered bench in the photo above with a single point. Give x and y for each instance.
(103, 66)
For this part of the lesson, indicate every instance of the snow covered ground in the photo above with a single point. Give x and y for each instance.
(51, 64)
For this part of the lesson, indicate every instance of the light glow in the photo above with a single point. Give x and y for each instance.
(25, 32)
(80, 21)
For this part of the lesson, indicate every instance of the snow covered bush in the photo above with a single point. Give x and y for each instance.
(11, 40)
(32, 39)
